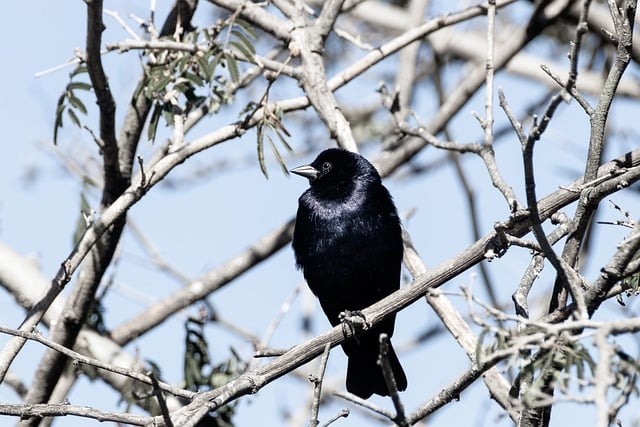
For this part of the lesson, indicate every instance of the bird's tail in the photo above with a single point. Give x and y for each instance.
(364, 375)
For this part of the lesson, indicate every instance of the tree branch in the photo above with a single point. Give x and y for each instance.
(203, 286)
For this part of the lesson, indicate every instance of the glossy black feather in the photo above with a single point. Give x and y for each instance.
(348, 243)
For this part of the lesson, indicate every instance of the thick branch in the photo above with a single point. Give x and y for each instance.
(308, 41)
(104, 98)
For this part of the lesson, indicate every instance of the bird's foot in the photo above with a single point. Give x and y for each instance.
(354, 321)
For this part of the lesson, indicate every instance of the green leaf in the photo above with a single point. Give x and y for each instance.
(162, 83)
(281, 129)
(196, 357)
(81, 224)
(233, 67)
(79, 85)
(284, 141)
(57, 126)
(79, 70)
(58, 121)
(246, 54)
(263, 166)
(240, 35)
(279, 158)
(60, 105)
(247, 28)
(148, 91)
(153, 123)
(74, 117)
(167, 114)
(183, 86)
(77, 103)
(181, 64)
(216, 60)
(205, 68)
(157, 83)
(195, 79)
(244, 44)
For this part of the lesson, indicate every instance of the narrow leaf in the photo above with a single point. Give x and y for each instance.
(263, 166)
(79, 85)
(195, 79)
(283, 141)
(205, 68)
(279, 158)
(74, 117)
(153, 123)
(77, 103)
(246, 54)
(247, 28)
(57, 125)
(233, 67)
(79, 70)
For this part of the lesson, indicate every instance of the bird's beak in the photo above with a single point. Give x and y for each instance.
(306, 171)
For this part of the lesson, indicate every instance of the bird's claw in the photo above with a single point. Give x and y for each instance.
(354, 321)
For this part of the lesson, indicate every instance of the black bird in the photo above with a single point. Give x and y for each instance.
(347, 241)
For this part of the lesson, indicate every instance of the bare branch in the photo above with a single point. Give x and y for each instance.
(204, 285)
(400, 418)
(80, 358)
(317, 386)
(37, 411)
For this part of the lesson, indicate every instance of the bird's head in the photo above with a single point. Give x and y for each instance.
(336, 166)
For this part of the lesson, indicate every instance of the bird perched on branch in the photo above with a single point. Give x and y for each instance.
(348, 243)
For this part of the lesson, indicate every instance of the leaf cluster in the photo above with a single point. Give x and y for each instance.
(632, 283)
(269, 127)
(545, 358)
(566, 356)
(178, 81)
(69, 101)
(199, 372)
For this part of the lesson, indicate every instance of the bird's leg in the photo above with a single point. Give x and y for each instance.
(353, 320)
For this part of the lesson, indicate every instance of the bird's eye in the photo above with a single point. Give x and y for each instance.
(326, 166)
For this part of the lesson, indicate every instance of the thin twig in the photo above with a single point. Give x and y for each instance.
(154, 254)
(123, 24)
(400, 418)
(350, 397)
(161, 400)
(317, 386)
(344, 413)
(273, 325)
(204, 285)
(487, 123)
(584, 103)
